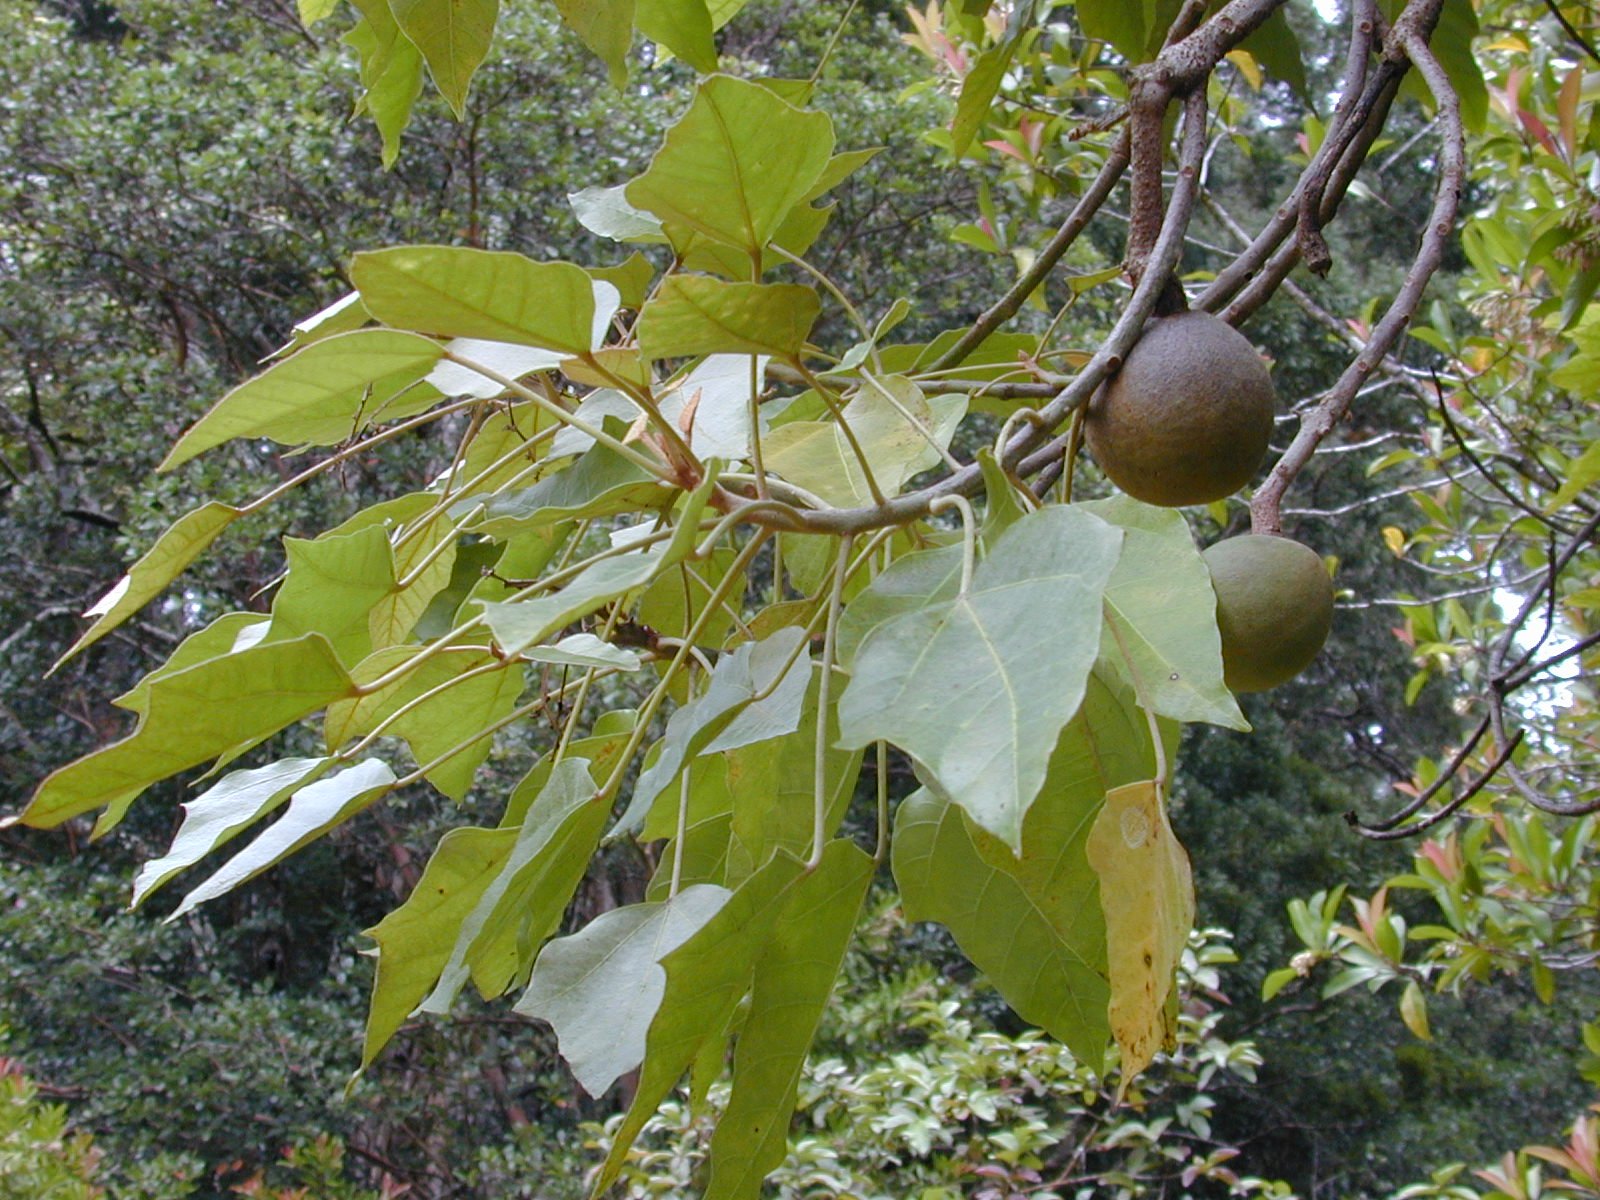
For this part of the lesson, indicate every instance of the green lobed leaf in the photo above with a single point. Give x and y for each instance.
(912, 583)
(900, 432)
(321, 395)
(605, 211)
(734, 164)
(460, 707)
(232, 805)
(454, 37)
(494, 295)
(183, 542)
(415, 939)
(771, 786)
(600, 483)
(600, 987)
(756, 692)
(696, 314)
(313, 810)
(794, 979)
(333, 584)
(391, 73)
(1032, 922)
(518, 624)
(343, 315)
(585, 650)
(683, 27)
(606, 27)
(977, 688)
(707, 976)
(229, 633)
(523, 904)
(423, 564)
(1161, 599)
(607, 737)
(190, 716)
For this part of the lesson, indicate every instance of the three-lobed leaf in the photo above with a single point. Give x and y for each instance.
(978, 687)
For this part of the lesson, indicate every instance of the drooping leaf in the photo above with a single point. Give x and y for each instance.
(343, 315)
(453, 36)
(1032, 922)
(585, 650)
(190, 716)
(1165, 612)
(391, 73)
(1147, 895)
(631, 277)
(180, 545)
(600, 483)
(233, 804)
(912, 583)
(683, 27)
(607, 737)
(695, 314)
(977, 688)
(493, 295)
(606, 27)
(771, 785)
(600, 987)
(900, 431)
(313, 810)
(706, 977)
(516, 625)
(794, 978)
(465, 695)
(523, 904)
(323, 394)
(332, 586)
(606, 211)
(756, 692)
(719, 388)
(229, 633)
(415, 940)
(735, 164)
(424, 563)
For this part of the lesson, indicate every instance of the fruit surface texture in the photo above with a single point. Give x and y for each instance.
(1187, 418)
(1274, 608)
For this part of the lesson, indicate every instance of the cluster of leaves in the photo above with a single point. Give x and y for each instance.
(1091, 624)
(629, 518)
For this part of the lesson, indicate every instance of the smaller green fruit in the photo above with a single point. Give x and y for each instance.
(1274, 608)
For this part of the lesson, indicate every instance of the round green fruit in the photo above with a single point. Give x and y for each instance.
(1187, 418)
(1274, 608)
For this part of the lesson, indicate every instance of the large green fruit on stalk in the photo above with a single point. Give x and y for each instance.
(1187, 418)
(1274, 608)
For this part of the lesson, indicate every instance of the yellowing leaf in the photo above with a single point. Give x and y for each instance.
(1414, 1011)
(173, 551)
(1248, 67)
(1395, 539)
(1147, 895)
